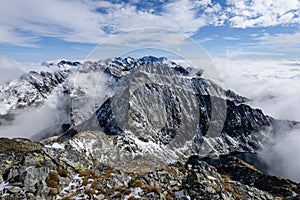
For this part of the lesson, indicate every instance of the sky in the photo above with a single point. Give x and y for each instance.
(35, 31)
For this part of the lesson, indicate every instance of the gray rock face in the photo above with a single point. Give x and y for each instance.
(157, 104)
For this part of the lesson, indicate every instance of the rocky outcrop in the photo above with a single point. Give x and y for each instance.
(51, 170)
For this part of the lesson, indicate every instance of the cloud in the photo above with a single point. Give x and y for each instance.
(273, 86)
(262, 13)
(11, 69)
(45, 119)
(30, 20)
(270, 83)
(249, 52)
(280, 42)
(9, 36)
(283, 45)
(231, 38)
(282, 157)
(24, 23)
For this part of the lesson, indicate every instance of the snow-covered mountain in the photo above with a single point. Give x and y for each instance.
(131, 114)
(152, 104)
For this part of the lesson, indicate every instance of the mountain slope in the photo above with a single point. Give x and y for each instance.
(129, 128)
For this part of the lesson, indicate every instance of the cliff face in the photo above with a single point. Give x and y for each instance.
(132, 127)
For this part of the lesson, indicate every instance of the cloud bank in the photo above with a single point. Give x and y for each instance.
(273, 86)
(23, 23)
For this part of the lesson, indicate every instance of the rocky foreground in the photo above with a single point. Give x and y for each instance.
(32, 170)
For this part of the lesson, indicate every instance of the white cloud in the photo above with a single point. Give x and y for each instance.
(284, 45)
(273, 86)
(231, 38)
(11, 69)
(22, 23)
(9, 36)
(262, 13)
(282, 158)
(280, 40)
(67, 20)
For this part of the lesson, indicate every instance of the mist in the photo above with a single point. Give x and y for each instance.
(86, 92)
(11, 69)
(273, 86)
(283, 156)
(44, 120)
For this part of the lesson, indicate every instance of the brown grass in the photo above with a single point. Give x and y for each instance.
(95, 184)
(89, 191)
(248, 165)
(86, 172)
(68, 197)
(123, 190)
(85, 180)
(151, 188)
(137, 183)
(53, 192)
(53, 180)
(132, 198)
(168, 197)
(218, 189)
(171, 170)
(107, 173)
(62, 172)
(116, 195)
(229, 188)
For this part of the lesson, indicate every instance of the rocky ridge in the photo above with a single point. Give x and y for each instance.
(32, 170)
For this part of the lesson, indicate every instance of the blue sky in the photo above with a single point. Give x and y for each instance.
(34, 30)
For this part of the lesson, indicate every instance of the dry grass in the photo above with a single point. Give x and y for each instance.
(137, 183)
(171, 170)
(86, 172)
(89, 191)
(107, 174)
(218, 189)
(151, 188)
(248, 165)
(123, 190)
(117, 195)
(19, 145)
(132, 198)
(53, 180)
(53, 192)
(95, 184)
(168, 197)
(68, 197)
(62, 172)
(225, 179)
(85, 181)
